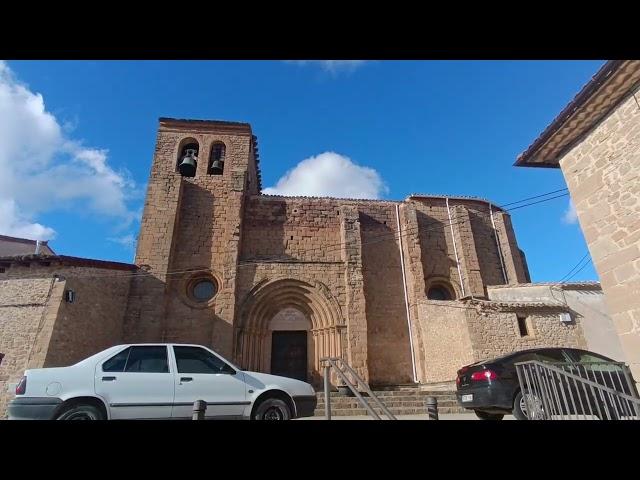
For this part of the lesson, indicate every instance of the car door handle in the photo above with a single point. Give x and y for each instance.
(186, 379)
(108, 379)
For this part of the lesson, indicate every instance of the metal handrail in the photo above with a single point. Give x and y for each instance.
(335, 362)
(547, 390)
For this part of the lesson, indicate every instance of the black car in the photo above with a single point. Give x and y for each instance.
(491, 387)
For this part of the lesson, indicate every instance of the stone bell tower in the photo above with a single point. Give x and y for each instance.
(190, 233)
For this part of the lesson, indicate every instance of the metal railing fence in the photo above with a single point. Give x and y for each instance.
(568, 391)
(343, 370)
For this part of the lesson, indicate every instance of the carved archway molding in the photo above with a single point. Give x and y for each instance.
(270, 296)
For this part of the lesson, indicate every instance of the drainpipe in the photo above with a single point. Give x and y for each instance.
(495, 232)
(406, 297)
(455, 250)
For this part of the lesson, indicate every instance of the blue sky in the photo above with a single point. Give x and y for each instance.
(77, 139)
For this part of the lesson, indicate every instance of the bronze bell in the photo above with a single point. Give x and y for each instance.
(217, 167)
(188, 165)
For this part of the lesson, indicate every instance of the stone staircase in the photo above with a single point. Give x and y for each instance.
(400, 400)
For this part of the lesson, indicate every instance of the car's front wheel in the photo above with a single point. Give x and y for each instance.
(272, 409)
(489, 416)
(81, 412)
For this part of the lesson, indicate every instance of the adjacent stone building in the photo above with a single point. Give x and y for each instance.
(56, 310)
(595, 140)
(405, 291)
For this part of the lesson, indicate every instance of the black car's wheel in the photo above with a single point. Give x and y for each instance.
(81, 412)
(520, 407)
(272, 409)
(488, 416)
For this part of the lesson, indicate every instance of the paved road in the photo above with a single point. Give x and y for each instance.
(448, 416)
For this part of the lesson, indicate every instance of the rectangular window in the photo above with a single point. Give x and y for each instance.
(198, 360)
(149, 359)
(522, 326)
(117, 362)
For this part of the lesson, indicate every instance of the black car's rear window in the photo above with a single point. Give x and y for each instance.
(497, 359)
(553, 356)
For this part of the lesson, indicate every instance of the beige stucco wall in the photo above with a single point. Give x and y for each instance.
(598, 328)
(603, 175)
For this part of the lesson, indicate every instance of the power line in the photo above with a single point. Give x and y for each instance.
(539, 201)
(577, 272)
(575, 266)
(536, 196)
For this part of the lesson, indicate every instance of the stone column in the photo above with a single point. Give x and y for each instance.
(513, 263)
(415, 279)
(467, 254)
(356, 305)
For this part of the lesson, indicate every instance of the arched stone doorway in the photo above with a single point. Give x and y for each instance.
(270, 316)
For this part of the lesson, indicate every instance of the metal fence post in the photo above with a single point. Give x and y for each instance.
(432, 408)
(327, 395)
(199, 407)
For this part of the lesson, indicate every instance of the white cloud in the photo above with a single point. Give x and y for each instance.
(127, 241)
(11, 222)
(334, 66)
(330, 175)
(45, 170)
(570, 215)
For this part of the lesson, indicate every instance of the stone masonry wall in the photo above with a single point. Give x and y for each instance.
(603, 175)
(24, 308)
(203, 236)
(486, 245)
(93, 322)
(446, 340)
(456, 334)
(95, 319)
(216, 225)
(496, 333)
(387, 335)
(39, 329)
(438, 259)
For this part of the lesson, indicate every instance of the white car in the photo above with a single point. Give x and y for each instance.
(158, 381)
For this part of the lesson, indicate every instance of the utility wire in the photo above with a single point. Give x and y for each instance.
(578, 271)
(576, 266)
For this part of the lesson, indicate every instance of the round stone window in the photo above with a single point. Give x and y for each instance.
(203, 290)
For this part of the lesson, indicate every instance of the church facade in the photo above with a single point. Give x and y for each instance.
(277, 283)
(405, 291)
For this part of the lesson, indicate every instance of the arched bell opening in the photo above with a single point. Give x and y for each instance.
(187, 163)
